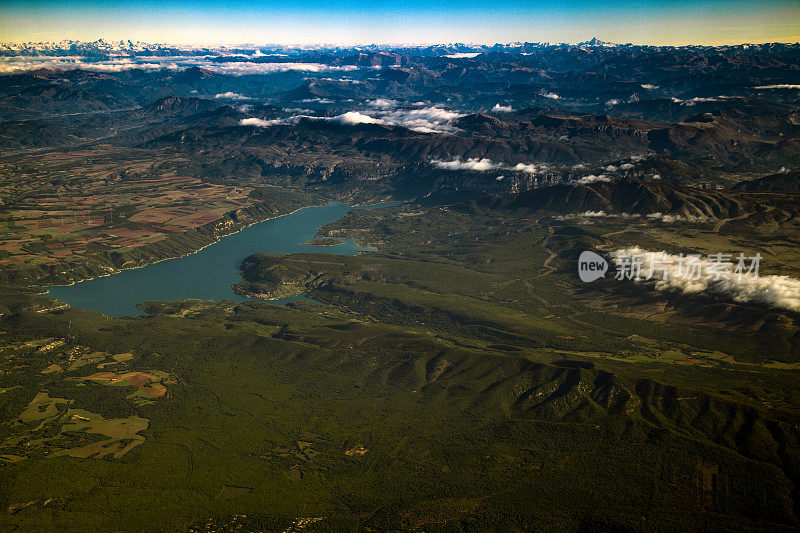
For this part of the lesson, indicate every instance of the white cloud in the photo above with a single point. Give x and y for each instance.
(351, 118)
(339, 80)
(702, 99)
(591, 178)
(486, 164)
(354, 117)
(552, 96)
(596, 214)
(528, 168)
(481, 165)
(779, 86)
(261, 123)
(15, 64)
(463, 55)
(244, 68)
(782, 292)
(502, 108)
(426, 119)
(698, 99)
(383, 103)
(669, 219)
(231, 96)
(649, 86)
(316, 101)
(626, 166)
(611, 168)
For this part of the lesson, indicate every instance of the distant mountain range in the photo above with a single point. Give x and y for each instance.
(104, 46)
(500, 119)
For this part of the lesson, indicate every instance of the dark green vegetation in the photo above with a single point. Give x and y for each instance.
(324, 242)
(460, 379)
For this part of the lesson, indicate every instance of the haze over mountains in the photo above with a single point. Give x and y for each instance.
(533, 113)
(448, 121)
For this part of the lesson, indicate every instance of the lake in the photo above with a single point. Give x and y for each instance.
(209, 273)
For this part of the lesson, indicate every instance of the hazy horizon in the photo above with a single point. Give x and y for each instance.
(296, 22)
(312, 45)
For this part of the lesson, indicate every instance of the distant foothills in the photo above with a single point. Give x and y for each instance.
(219, 132)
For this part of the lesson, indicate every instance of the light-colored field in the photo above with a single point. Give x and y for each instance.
(123, 434)
(149, 383)
(72, 428)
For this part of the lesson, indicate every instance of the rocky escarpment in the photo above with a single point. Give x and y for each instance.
(643, 198)
(784, 182)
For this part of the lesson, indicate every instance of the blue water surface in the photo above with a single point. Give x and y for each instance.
(209, 273)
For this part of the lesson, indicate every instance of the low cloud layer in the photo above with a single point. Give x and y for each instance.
(463, 55)
(16, 64)
(231, 96)
(268, 68)
(669, 219)
(660, 217)
(383, 103)
(596, 214)
(502, 108)
(480, 165)
(779, 86)
(244, 68)
(324, 101)
(781, 292)
(352, 118)
(702, 99)
(425, 119)
(591, 178)
(485, 165)
(261, 123)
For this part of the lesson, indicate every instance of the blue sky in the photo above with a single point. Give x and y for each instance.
(407, 21)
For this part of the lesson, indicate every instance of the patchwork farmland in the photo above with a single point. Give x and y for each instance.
(63, 206)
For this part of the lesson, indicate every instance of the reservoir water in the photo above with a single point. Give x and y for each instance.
(209, 273)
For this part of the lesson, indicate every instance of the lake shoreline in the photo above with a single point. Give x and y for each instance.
(207, 272)
(216, 241)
